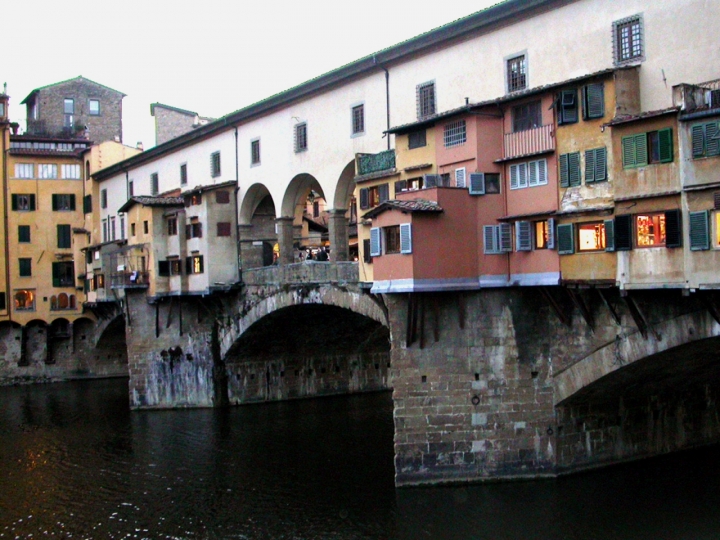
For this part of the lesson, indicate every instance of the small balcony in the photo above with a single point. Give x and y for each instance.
(529, 142)
(374, 163)
(130, 279)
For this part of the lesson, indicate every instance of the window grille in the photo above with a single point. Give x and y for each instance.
(455, 134)
(628, 39)
(417, 139)
(255, 152)
(301, 137)
(215, 164)
(358, 119)
(425, 100)
(516, 73)
(154, 184)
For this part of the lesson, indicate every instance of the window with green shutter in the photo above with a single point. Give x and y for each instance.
(567, 107)
(64, 239)
(566, 239)
(623, 233)
(646, 148)
(609, 235)
(570, 175)
(63, 202)
(699, 231)
(634, 151)
(593, 101)
(25, 267)
(24, 233)
(595, 165)
(705, 140)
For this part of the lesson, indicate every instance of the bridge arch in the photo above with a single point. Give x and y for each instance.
(254, 195)
(625, 351)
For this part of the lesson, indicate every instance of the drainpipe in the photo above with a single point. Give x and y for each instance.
(127, 185)
(237, 208)
(387, 98)
(8, 296)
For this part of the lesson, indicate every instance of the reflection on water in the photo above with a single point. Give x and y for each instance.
(76, 463)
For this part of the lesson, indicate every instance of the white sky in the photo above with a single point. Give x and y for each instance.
(208, 56)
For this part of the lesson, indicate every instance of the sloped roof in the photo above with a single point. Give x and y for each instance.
(627, 118)
(414, 205)
(78, 78)
(209, 187)
(152, 201)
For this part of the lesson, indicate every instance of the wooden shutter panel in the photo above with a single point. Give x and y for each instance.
(600, 164)
(589, 166)
(523, 236)
(522, 175)
(56, 274)
(514, 176)
(375, 247)
(564, 171)
(72, 202)
(32, 201)
(699, 231)
(383, 193)
(628, 152)
(551, 233)
(14, 202)
(405, 238)
(566, 239)
(594, 101)
(673, 229)
(665, 145)
(55, 202)
(188, 265)
(574, 169)
(364, 199)
(542, 171)
(609, 235)
(188, 232)
(505, 238)
(712, 139)
(460, 178)
(477, 183)
(163, 268)
(623, 233)
(489, 239)
(533, 177)
(641, 149)
(698, 141)
(202, 264)
(568, 106)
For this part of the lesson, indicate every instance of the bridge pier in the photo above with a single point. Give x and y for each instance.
(338, 232)
(285, 233)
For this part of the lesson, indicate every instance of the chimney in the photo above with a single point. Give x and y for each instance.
(140, 146)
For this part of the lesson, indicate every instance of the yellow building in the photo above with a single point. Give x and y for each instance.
(44, 192)
(4, 145)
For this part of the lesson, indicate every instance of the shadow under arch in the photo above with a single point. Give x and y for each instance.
(297, 192)
(254, 196)
(345, 187)
(257, 233)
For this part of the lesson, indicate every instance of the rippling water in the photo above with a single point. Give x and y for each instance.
(76, 463)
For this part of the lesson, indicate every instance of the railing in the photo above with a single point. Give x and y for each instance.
(302, 273)
(530, 141)
(128, 280)
(370, 163)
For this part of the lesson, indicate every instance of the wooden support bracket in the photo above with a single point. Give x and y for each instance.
(609, 306)
(580, 304)
(170, 311)
(710, 302)
(640, 320)
(567, 321)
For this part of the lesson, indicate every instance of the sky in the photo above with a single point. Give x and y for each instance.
(212, 57)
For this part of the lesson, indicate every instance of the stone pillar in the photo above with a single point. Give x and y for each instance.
(338, 231)
(285, 239)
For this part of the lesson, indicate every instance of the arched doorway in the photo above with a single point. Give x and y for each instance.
(257, 234)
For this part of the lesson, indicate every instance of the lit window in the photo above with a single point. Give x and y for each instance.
(541, 234)
(24, 300)
(516, 73)
(591, 236)
(650, 230)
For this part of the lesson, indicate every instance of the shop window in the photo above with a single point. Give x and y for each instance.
(591, 236)
(24, 300)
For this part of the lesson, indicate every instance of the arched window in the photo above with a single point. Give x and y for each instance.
(53, 302)
(71, 304)
(62, 302)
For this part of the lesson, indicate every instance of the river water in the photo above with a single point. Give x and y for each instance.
(76, 463)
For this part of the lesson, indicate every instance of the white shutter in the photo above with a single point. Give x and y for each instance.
(514, 177)
(375, 247)
(522, 175)
(551, 233)
(542, 172)
(523, 236)
(405, 238)
(532, 173)
(460, 178)
(489, 238)
(477, 183)
(505, 238)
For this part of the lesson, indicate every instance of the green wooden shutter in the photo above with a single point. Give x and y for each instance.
(712, 139)
(55, 201)
(575, 176)
(64, 239)
(641, 149)
(32, 201)
(673, 229)
(698, 141)
(566, 239)
(609, 235)
(56, 274)
(665, 144)
(14, 202)
(564, 176)
(623, 233)
(589, 166)
(600, 164)
(628, 151)
(699, 231)
(87, 204)
(593, 101)
(364, 199)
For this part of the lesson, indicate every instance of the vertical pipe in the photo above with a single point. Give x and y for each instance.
(237, 208)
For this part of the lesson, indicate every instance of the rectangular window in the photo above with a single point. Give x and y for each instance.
(175, 267)
(367, 257)
(146, 227)
(47, 171)
(25, 267)
(417, 139)
(596, 165)
(122, 227)
(62, 202)
(69, 106)
(628, 39)
(255, 152)
(526, 116)
(530, 174)
(112, 228)
(104, 230)
(646, 148)
(569, 165)
(154, 184)
(193, 200)
(3, 299)
(593, 101)
(425, 99)
(705, 140)
(567, 107)
(392, 239)
(193, 230)
(358, 119)
(64, 240)
(516, 73)
(591, 236)
(23, 202)
(194, 265)
(454, 134)
(103, 198)
(131, 188)
(63, 274)
(224, 228)
(24, 234)
(301, 142)
(70, 172)
(163, 268)
(24, 300)
(497, 239)
(24, 170)
(373, 196)
(132, 229)
(650, 230)
(87, 204)
(222, 197)
(215, 164)
(542, 233)
(94, 107)
(183, 174)
(172, 227)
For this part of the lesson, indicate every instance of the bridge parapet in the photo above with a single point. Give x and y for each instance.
(303, 273)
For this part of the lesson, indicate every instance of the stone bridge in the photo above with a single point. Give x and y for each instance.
(487, 384)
